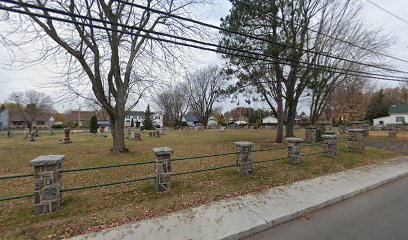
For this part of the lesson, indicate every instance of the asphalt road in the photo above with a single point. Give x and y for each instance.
(381, 213)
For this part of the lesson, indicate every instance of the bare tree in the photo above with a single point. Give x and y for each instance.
(203, 88)
(173, 104)
(341, 22)
(103, 46)
(296, 34)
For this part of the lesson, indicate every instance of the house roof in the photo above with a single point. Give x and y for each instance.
(191, 118)
(135, 113)
(18, 117)
(81, 115)
(398, 108)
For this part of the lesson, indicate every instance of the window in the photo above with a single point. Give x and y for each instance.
(156, 117)
(400, 119)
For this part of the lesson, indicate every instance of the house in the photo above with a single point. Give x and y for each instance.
(80, 117)
(212, 121)
(21, 120)
(270, 120)
(84, 117)
(4, 119)
(302, 118)
(398, 114)
(190, 120)
(138, 116)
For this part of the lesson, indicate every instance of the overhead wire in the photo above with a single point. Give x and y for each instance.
(251, 36)
(326, 68)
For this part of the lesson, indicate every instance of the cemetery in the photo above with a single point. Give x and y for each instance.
(97, 188)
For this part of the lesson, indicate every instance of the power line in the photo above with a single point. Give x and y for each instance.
(251, 36)
(389, 12)
(334, 38)
(366, 75)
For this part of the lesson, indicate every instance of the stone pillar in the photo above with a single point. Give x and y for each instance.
(67, 138)
(357, 140)
(310, 134)
(47, 183)
(36, 132)
(51, 131)
(294, 150)
(222, 129)
(392, 132)
(163, 169)
(26, 134)
(244, 157)
(330, 145)
(322, 128)
(158, 134)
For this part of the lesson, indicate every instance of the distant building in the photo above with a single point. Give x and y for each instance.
(138, 116)
(302, 118)
(270, 120)
(212, 121)
(398, 114)
(21, 120)
(4, 119)
(81, 117)
(190, 120)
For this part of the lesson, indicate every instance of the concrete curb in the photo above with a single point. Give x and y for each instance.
(289, 217)
(244, 216)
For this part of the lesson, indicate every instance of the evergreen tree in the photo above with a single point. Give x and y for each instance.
(148, 119)
(378, 107)
(93, 125)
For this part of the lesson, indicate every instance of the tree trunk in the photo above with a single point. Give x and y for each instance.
(279, 127)
(118, 133)
(290, 121)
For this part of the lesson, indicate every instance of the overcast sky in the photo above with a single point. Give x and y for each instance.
(37, 76)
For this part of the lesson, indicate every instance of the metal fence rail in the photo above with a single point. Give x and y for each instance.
(153, 177)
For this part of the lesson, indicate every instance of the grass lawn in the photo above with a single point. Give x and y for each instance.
(95, 209)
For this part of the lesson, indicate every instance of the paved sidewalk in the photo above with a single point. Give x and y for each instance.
(243, 216)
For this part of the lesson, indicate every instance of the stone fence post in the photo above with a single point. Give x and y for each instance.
(392, 132)
(357, 140)
(294, 150)
(163, 168)
(330, 145)
(310, 134)
(322, 128)
(244, 157)
(47, 183)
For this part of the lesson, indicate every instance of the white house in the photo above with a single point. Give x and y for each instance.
(270, 119)
(138, 116)
(4, 119)
(398, 115)
(212, 121)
